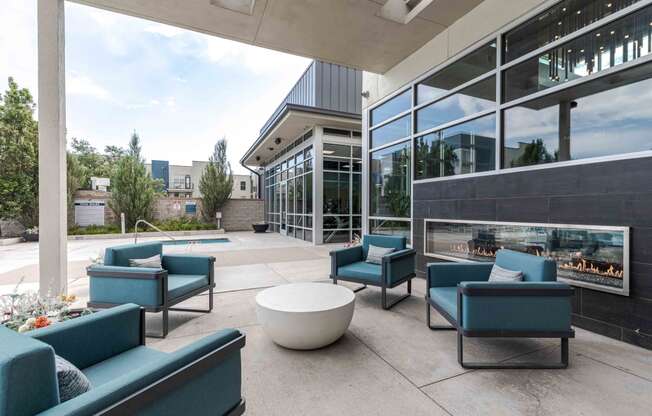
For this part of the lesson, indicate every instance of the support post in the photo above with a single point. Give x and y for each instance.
(53, 210)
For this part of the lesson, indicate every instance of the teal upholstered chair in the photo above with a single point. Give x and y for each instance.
(397, 268)
(127, 377)
(537, 307)
(157, 290)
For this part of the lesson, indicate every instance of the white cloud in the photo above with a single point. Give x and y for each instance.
(18, 53)
(77, 84)
(165, 30)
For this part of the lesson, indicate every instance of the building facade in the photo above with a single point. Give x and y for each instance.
(529, 132)
(180, 181)
(311, 157)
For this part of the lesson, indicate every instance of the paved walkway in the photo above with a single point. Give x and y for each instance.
(389, 363)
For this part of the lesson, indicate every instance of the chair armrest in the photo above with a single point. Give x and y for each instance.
(451, 274)
(183, 382)
(89, 339)
(125, 272)
(399, 265)
(344, 256)
(189, 264)
(114, 285)
(526, 307)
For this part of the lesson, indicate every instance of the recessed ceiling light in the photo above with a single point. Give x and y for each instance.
(612, 32)
(579, 12)
(608, 4)
(626, 36)
(597, 35)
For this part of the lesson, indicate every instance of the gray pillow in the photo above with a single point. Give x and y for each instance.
(375, 254)
(498, 274)
(72, 382)
(153, 262)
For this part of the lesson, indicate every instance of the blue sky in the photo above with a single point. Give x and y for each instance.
(179, 90)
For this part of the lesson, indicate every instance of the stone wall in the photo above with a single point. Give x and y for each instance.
(239, 214)
(166, 208)
(11, 228)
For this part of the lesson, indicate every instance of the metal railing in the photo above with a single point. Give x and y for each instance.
(151, 226)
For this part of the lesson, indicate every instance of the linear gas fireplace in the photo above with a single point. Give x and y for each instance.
(591, 256)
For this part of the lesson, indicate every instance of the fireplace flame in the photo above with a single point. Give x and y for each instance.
(580, 264)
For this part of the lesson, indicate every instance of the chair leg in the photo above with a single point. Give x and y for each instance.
(210, 305)
(334, 281)
(401, 298)
(563, 363)
(435, 327)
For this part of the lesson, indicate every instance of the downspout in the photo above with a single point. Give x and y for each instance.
(258, 181)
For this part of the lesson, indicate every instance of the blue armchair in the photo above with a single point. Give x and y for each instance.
(126, 376)
(397, 267)
(537, 307)
(157, 290)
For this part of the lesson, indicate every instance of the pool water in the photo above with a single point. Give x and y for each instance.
(194, 241)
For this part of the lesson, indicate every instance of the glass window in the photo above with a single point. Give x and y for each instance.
(357, 152)
(335, 222)
(299, 194)
(390, 184)
(474, 99)
(388, 133)
(391, 227)
(465, 148)
(308, 192)
(469, 67)
(389, 109)
(291, 196)
(622, 41)
(356, 194)
(336, 193)
(308, 152)
(339, 150)
(243, 185)
(337, 236)
(562, 19)
(603, 117)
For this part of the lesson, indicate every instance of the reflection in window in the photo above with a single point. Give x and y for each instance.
(336, 193)
(469, 67)
(603, 117)
(562, 19)
(391, 108)
(474, 99)
(465, 148)
(390, 184)
(391, 227)
(339, 150)
(622, 41)
(390, 132)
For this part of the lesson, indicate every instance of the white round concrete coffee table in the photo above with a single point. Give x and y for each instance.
(305, 316)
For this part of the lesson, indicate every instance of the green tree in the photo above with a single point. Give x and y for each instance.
(18, 156)
(216, 183)
(533, 154)
(75, 177)
(92, 162)
(133, 191)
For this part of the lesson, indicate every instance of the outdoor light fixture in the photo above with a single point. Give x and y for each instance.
(365, 94)
(277, 140)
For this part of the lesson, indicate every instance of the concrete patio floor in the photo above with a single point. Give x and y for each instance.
(388, 362)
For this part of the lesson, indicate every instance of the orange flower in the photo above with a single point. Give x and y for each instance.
(41, 322)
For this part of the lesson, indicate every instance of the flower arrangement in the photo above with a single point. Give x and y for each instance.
(356, 241)
(27, 311)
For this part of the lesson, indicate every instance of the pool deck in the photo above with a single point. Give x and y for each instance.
(388, 362)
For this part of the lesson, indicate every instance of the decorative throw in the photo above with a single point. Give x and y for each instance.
(375, 254)
(498, 274)
(153, 262)
(72, 382)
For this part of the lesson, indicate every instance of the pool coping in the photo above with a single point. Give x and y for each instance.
(144, 235)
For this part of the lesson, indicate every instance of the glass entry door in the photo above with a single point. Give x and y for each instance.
(284, 208)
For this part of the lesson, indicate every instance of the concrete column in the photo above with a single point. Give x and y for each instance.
(53, 223)
(565, 108)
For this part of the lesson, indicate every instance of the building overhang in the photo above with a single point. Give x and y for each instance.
(358, 34)
(288, 125)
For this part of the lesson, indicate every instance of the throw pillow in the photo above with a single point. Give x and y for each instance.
(375, 254)
(72, 382)
(498, 274)
(153, 262)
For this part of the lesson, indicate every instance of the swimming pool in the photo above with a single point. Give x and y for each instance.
(195, 241)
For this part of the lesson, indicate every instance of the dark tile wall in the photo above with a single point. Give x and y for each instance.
(608, 193)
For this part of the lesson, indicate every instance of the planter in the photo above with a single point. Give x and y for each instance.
(30, 237)
(260, 228)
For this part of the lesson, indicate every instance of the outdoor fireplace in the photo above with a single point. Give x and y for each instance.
(587, 255)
